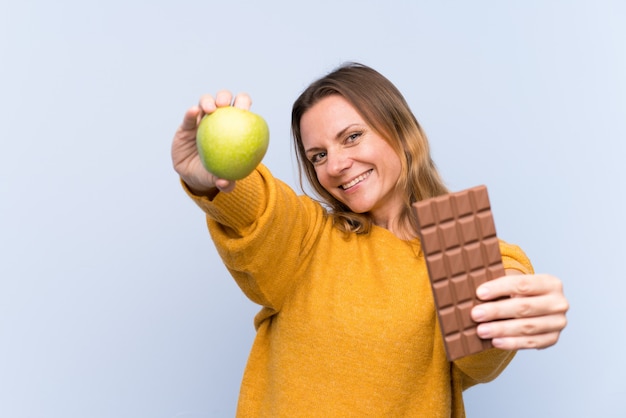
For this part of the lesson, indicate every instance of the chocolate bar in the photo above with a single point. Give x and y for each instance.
(461, 249)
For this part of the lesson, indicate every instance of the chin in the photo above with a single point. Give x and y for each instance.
(360, 209)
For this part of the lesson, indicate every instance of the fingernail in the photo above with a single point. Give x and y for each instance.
(484, 331)
(497, 342)
(482, 292)
(478, 314)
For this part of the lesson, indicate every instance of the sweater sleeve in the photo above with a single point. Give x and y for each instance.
(261, 231)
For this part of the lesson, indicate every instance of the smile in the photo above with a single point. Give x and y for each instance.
(356, 181)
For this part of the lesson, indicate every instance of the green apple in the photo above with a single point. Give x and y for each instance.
(232, 142)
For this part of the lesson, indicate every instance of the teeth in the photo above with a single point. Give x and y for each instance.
(356, 180)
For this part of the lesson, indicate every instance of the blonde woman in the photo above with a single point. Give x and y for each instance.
(347, 326)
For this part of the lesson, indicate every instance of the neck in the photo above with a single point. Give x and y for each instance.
(401, 229)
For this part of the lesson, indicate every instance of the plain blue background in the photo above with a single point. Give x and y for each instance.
(113, 301)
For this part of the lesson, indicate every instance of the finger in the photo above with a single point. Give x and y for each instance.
(518, 285)
(527, 327)
(207, 104)
(243, 101)
(225, 185)
(519, 343)
(519, 307)
(223, 98)
(190, 120)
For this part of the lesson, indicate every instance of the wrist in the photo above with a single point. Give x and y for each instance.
(200, 191)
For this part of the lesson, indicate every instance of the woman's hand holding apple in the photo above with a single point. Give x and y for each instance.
(185, 156)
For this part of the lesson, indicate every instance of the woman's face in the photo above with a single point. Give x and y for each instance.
(352, 162)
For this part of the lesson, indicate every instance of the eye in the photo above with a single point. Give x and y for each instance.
(317, 158)
(353, 137)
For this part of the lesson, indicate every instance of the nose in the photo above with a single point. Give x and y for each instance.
(338, 161)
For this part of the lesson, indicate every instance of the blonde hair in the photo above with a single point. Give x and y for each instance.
(384, 109)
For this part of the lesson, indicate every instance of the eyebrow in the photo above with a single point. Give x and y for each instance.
(339, 134)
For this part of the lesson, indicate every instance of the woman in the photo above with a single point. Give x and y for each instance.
(348, 325)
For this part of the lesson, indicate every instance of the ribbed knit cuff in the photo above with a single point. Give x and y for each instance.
(236, 209)
(514, 258)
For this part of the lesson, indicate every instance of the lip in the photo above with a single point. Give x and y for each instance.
(355, 181)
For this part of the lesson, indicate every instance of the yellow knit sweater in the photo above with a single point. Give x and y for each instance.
(347, 326)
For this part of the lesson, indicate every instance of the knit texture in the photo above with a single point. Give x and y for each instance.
(348, 326)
